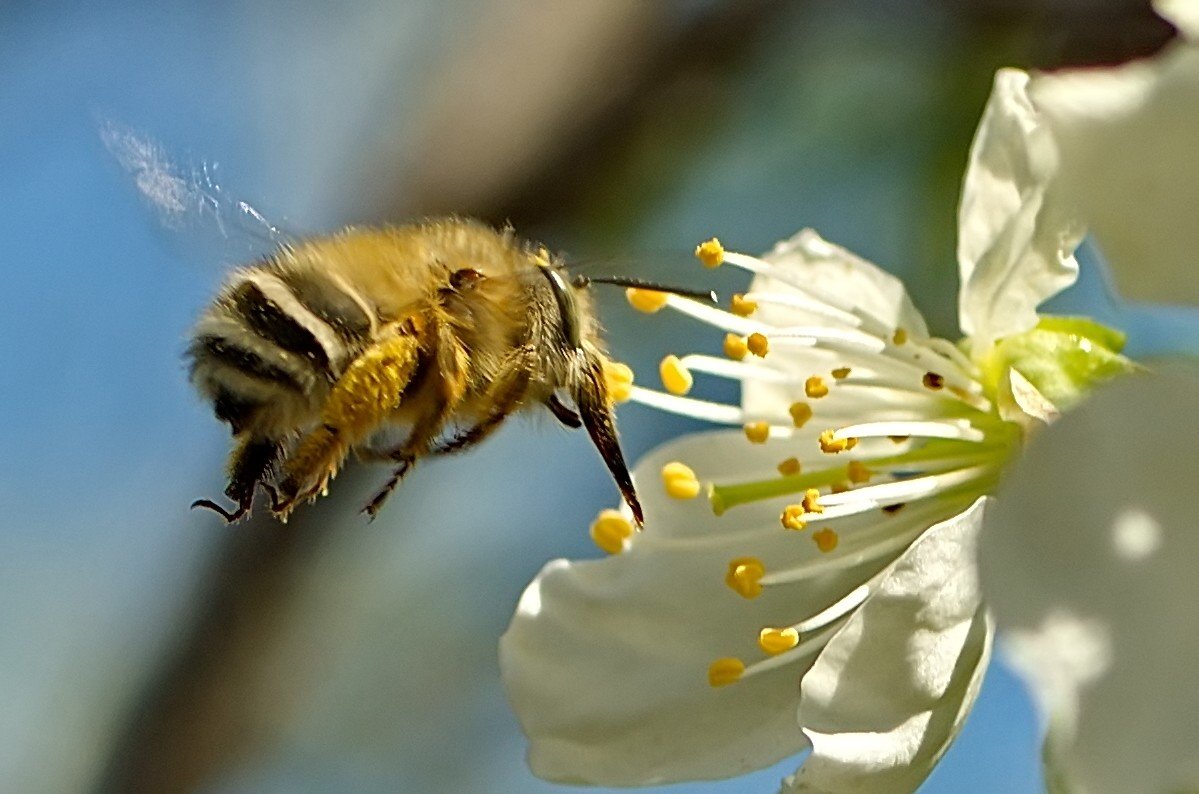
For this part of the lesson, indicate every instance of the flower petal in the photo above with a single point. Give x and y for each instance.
(890, 691)
(1126, 142)
(1091, 574)
(1016, 235)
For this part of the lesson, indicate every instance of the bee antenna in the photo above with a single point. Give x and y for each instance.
(636, 283)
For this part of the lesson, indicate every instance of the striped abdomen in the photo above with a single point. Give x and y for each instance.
(269, 348)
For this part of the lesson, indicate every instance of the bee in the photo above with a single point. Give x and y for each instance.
(439, 330)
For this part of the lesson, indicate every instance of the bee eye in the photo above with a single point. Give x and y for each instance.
(464, 278)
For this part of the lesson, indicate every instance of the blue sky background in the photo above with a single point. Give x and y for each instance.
(393, 626)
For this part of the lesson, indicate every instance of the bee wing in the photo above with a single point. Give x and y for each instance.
(188, 199)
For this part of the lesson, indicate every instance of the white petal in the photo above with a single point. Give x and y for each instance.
(890, 692)
(1016, 236)
(1126, 142)
(1089, 561)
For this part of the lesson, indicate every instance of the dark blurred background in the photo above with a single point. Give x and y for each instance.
(143, 647)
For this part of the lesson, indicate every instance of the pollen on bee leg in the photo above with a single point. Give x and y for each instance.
(741, 306)
(792, 517)
(675, 377)
(825, 539)
(758, 344)
(723, 672)
(680, 481)
(789, 467)
(735, 347)
(645, 300)
(610, 530)
(831, 444)
(800, 413)
(815, 387)
(619, 379)
(744, 576)
(774, 641)
(710, 253)
(757, 432)
(857, 472)
(811, 501)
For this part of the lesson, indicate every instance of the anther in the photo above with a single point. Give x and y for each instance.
(800, 413)
(792, 517)
(858, 473)
(723, 672)
(710, 253)
(840, 373)
(610, 530)
(744, 576)
(789, 467)
(811, 501)
(831, 444)
(826, 539)
(900, 336)
(619, 379)
(933, 381)
(757, 432)
(680, 481)
(758, 344)
(675, 377)
(741, 306)
(735, 347)
(645, 300)
(815, 387)
(775, 641)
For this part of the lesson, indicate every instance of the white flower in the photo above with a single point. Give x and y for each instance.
(831, 601)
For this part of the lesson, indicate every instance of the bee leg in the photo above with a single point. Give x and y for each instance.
(562, 413)
(248, 464)
(366, 393)
(507, 389)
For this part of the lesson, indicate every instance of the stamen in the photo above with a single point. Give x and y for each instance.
(811, 501)
(744, 576)
(717, 413)
(757, 432)
(807, 304)
(774, 641)
(932, 380)
(710, 253)
(675, 376)
(619, 379)
(789, 467)
(899, 337)
(826, 539)
(857, 472)
(841, 373)
(741, 306)
(735, 347)
(758, 344)
(723, 672)
(610, 530)
(792, 517)
(958, 430)
(680, 481)
(832, 445)
(800, 413)
(645, 300)
(815, 387)
(838, 609)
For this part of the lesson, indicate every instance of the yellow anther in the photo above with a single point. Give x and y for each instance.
(680, 481)
(758, 344)
(610, 530)
(898, 439)
(811, 501)
(723, 672)
(832, 445)
(789, 467)
(645, 300)
(735, 347)
(741, 306)
(800, 413)
(933, 381)
(776, 641)
(619, 379)
(858, 473)
(826, 539)
(745, 576)
(838, 487)
(900, 336)
(757, 432)
(815, 387)
(841, 373)
(710, 252)
(895, 508)
(792, 517)
(675, 377)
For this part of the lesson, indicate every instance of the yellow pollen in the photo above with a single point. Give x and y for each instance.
(811, 501)
(610, 530)
(933, 381)
(900, 336)
(826, 539)
(775, 641)
(735, 347)
(757, 432)
(789, 467)
(710, 252)
(832, 445)
(723, 672)
(645, 300)
(744, 576)
(680, 481)
(675, 377)
(858, 473)
(815, 387)
(800, 413)
(619, 379)
(841, 373)
(758, 344)
(792, 517)
(742, 307)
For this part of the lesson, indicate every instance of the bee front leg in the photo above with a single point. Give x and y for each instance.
(248, 465)
(363, 397)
